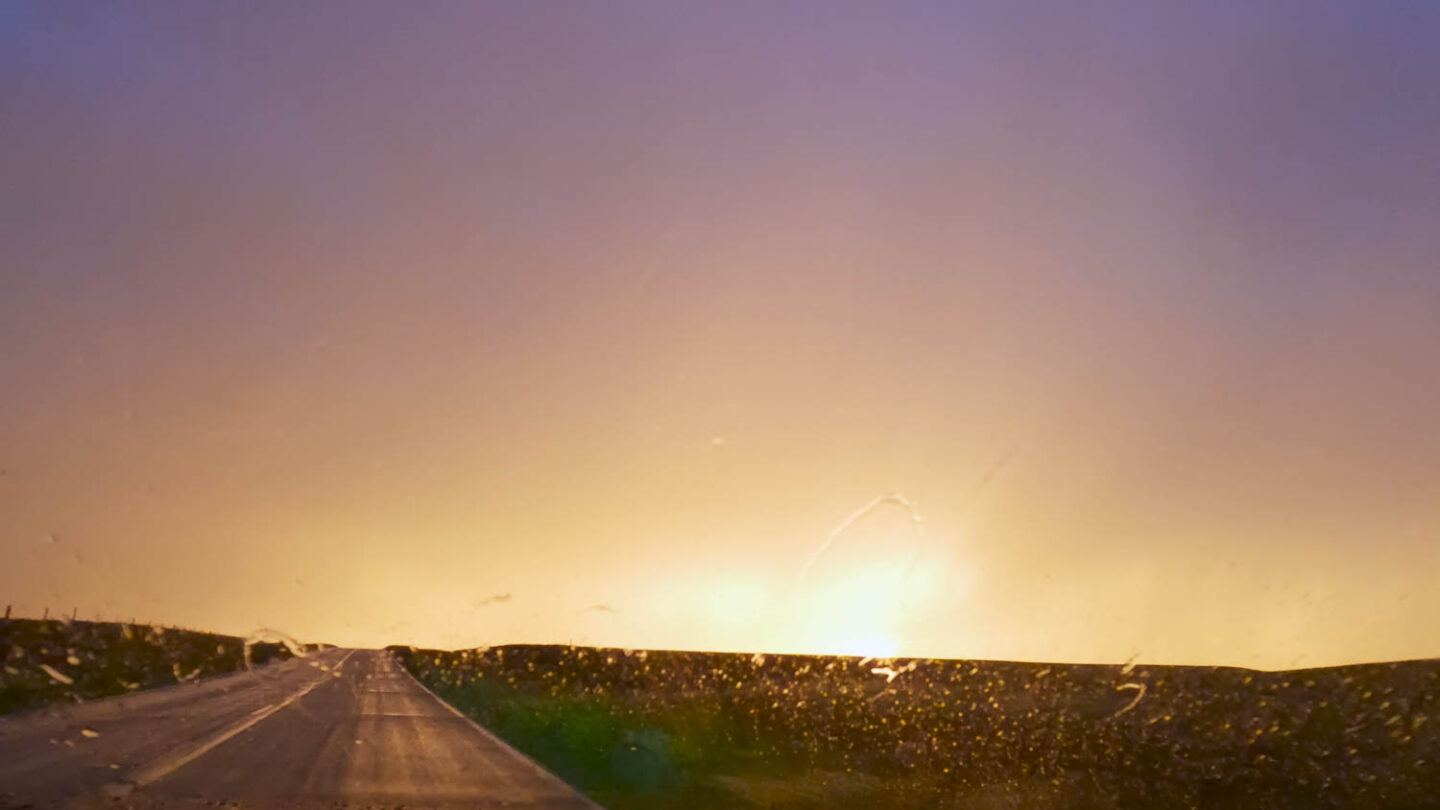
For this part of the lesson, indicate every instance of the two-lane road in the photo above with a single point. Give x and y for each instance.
(341, 729)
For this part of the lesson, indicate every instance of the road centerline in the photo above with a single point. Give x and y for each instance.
(163, 766)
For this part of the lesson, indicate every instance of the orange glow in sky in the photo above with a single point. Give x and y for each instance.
(538, 323)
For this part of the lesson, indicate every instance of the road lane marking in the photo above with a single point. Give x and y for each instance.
(484, 732)
(164, 766)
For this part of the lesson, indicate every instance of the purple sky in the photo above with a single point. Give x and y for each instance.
(348, 318)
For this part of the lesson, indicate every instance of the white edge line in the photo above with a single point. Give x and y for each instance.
(487, 734)
(159, 768)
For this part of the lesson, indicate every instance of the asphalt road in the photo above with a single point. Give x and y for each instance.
(341, 729)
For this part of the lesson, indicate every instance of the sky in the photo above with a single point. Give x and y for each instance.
(1104, 330)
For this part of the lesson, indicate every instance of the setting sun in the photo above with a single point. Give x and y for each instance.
(867, 647)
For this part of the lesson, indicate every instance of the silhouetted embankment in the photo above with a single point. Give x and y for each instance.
(50, 661)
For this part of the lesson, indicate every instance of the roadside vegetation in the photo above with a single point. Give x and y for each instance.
(57, 661)
(639, 730)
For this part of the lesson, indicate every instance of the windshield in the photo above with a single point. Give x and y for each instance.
(734, 405)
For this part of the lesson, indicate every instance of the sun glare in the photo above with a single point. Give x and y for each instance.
(858, 614)
(869, 647)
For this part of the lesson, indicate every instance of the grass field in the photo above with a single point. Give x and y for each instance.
(648, 730)
(50, 661)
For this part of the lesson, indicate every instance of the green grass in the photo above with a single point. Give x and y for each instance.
(653, 730)
(620, 756)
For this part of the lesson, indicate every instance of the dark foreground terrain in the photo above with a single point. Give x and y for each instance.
(638, 729)
(50, 661)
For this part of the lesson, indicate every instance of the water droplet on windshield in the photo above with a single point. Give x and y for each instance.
(1139, 693)
(894, 498)
(56, 675)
